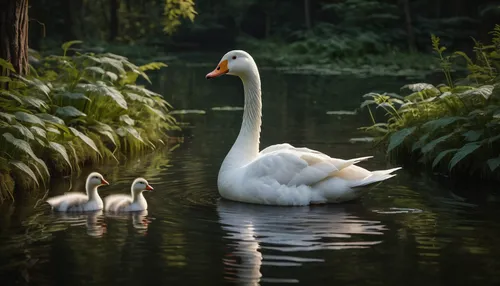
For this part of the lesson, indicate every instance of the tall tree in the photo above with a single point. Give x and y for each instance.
(14, 33)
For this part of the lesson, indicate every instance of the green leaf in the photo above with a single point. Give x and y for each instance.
(462, 153)
(140, 98)
(65, 47)
(35, 102)
(125, 118)
(440, 123)
(122, 131)
(96, 70)
(484, 91)
(100, 88)
(73, 95)
(114, 63)
(416, 87)
(112, 76)
(50, 118)
(85, 139)
(493, 163)
(421, 141)
(53, 130)
(493, 139)
(62, 151)
(24, 131)
(440, 156)
(23, 116)
(155, 111)
(367, 102)
(431, 145)
(473, 135)
(69, 111)
(5, 79)
(398, 137)
(7, 116)
(39, 131)
(7, 65)
(25, 147)
(23, 167)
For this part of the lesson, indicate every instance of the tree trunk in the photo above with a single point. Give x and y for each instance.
(114, 5)
(409, 28)
(14, 34)
(307, 13)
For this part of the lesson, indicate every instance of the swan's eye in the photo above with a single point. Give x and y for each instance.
(234, 57)
(218, 68)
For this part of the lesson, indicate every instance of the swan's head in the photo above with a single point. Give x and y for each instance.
(236, 62)
(95, 180)
(140, 185)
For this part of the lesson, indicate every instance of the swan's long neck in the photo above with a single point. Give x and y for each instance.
(137, 196)
(246, 147)
(91, 191)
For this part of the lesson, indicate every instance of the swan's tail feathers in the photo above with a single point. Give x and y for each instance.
(351, 162)
(375, 177)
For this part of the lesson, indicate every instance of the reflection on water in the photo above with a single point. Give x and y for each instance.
(290, 233)
(406, 231)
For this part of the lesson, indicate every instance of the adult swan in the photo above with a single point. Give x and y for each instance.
(281, 174)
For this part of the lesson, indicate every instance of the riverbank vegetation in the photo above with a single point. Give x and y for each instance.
(453, 127)
(71, 110)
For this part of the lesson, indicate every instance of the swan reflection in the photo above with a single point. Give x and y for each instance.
(93, 221)
(140, 220)
(282, 236)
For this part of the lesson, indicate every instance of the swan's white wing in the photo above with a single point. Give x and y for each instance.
(68, 200)
(116, 202)
(296, 166)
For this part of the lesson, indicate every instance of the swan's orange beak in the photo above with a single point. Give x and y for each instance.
(149, 188)
(219, 70)
(104, 182)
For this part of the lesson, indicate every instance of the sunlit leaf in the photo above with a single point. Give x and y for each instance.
(24, 131)
(61, 150)
(35, 102)
(484, 91)
(419, 86)
(73, 95)
(38, 131)
(23, 167)
(69, 111)
(112, 76)
(53, 130)
(98, 70)
(85, 139)
(7, 116)
(100, 88)
(26, 117)
(50, 118)
(462, 153)
(7, 65)
(398, 137)
(65, 46)
(125, 118)
(123, 131)
(26, 148)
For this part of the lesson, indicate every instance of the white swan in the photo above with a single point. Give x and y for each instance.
(281, 174)
(132, 203)
(77, 202)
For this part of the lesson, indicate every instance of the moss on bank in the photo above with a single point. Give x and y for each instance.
(72, 110)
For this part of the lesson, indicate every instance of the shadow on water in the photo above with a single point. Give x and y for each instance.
(409, 230)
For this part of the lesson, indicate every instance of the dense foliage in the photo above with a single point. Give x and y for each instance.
(280, 32)
(74, 109)
(453, 126)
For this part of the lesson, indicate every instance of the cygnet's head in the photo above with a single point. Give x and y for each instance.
(96, 180)
(236, 62)
(140, 185)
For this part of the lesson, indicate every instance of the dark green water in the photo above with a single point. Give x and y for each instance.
(407, 231)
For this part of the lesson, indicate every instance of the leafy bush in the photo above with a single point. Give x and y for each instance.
(71, 110)
(451, 126)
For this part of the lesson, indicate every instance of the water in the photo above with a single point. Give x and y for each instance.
(407, 231)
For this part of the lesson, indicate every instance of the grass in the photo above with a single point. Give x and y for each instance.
(452, 128)
(72, 110)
